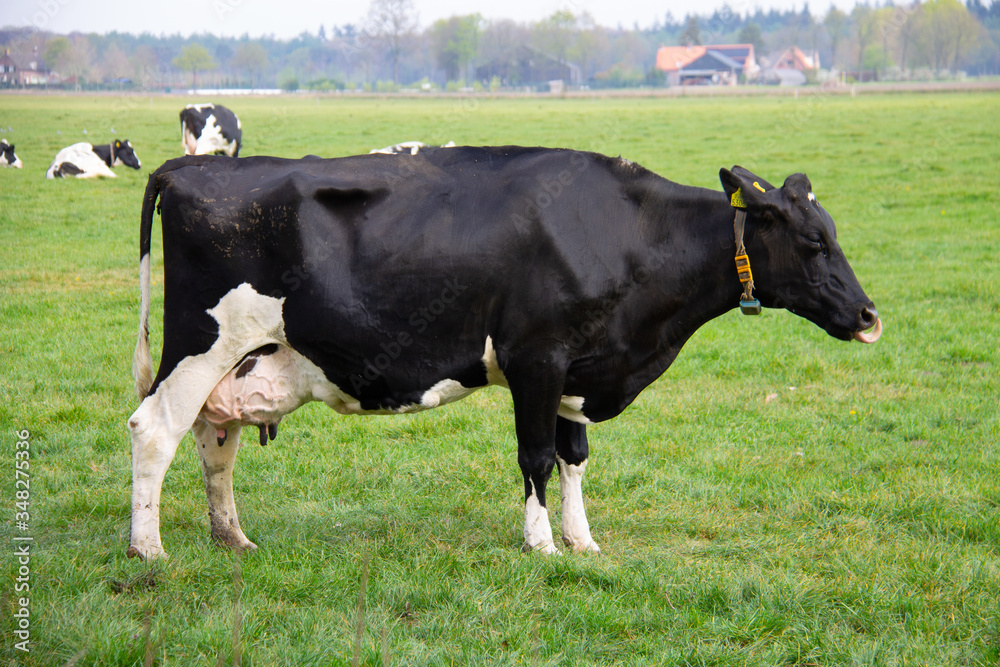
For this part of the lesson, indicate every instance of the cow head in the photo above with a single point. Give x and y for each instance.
(125, 155)
(796, 261)
(7, 157)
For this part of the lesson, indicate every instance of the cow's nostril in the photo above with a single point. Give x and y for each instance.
(868, 318)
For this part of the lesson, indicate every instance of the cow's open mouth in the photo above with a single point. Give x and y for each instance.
(870, 336)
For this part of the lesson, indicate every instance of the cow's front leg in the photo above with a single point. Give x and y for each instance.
(536, 402)
(572, 451)
(217, 470)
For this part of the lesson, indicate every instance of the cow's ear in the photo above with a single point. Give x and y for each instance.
(798, 188)
(753, 190)
(118, 143)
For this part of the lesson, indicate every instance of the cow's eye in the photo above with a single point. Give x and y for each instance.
(817, 243)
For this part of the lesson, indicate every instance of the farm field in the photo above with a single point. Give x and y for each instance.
(778, 497)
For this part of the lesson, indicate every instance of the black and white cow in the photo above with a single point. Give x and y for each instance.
(210, 129)
(7, 157)
(407, 147)
(85, 160)
(391, 284)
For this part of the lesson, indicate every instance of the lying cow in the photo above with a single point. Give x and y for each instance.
(393, 284)
(407, 147)
(210, 129)
(85, 160)
(7, 157)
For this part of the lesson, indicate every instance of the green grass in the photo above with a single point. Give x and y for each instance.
(777, 498)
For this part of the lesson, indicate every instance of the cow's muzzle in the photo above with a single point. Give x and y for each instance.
(867, 319)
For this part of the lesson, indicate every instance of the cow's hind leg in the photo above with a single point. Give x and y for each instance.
(572, 451)
(217, 470)
(156, 432)
(157, 427)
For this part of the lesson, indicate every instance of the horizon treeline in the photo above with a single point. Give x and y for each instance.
(390, 51)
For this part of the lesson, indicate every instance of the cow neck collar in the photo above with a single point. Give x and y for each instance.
(748, 304)
(111, 146)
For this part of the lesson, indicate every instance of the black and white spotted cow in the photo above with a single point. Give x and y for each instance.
(407, 147)
(210, 129)
(392, 284)
(85, 160)
(7, 157)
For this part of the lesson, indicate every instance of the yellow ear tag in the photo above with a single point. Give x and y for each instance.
(736, 201)
(757, 185)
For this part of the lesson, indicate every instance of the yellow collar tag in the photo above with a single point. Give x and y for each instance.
(736, 201)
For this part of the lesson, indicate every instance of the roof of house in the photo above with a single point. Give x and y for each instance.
(794, 58)
(673, 58)
(713, 61)
(718, 56)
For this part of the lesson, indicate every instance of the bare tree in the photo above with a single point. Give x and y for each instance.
(392, 22)
(837, 27)
(114, 65)
(252, 57)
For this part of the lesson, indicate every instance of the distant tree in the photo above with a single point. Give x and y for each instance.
(251, 58)
(75, 61)
(143, 62)
(114, 65)
(865, 22)
(953, 32)
(751, 34)
(56, 52)
(555, 33)
(692, 32)
(837, 26)
(194, 58)
(454, 42)
(907, 21)
(939, 30)
(591, 45)
(392, 22)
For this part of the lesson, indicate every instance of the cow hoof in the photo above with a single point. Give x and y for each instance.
(546, 548)
(590, 547)
(247, 548)
(579, 546)
(239, 544)
(148, 554)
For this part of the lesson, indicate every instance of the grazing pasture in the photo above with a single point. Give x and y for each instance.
(778, 497)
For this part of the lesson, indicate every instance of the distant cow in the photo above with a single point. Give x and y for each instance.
(210, 129)
(389, 284)
(85, 160)
(7, 157)
(407, 147)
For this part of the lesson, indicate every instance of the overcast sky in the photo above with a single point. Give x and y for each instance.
(259, 17)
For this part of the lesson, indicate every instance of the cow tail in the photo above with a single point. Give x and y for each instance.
(142, 361)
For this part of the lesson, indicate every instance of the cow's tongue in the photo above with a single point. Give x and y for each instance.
(872, 336)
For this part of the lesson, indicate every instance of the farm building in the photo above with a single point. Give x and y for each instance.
(35, 74)
(525, 66)
(788, 67)
(724, 64)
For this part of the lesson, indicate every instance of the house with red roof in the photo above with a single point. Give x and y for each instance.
(718, 64)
